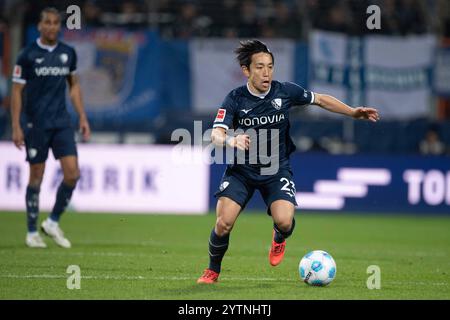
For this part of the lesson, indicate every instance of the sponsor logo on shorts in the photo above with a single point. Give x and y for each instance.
(32, 153)
(224, 185)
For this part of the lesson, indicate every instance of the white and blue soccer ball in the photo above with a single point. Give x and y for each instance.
(317, 268)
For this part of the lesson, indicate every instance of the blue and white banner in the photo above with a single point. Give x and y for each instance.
(215, 70)
(390, 73)
(442, 71)
(398, 74)
(328, 66)
(393, 184)
(119, 73)
(4, 47)
(364, 183)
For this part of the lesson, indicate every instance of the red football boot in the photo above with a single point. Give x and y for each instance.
(208, 276)
(276, 252)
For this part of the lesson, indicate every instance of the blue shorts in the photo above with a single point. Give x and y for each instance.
(240, 189)
(39, 141)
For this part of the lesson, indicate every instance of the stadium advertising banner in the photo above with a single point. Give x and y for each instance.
(118, 74)
(442, 71)
(364, 183)
(4, 48)
(114, 178)
(374, 71)
(215, 71)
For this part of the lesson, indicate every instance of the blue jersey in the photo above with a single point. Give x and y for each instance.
(243, 110)
(44, 70)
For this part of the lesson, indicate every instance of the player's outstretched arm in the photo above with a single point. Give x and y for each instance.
(16, 107)
(332, 104)
(219, 138)
(75, 97)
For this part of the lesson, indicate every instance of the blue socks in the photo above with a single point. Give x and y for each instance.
(63, 196)
(280, 236)
(217, 248)
(32, 205)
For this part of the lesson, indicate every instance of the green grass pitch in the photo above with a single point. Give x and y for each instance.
(161, 256)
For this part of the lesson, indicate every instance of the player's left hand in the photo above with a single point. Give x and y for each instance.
(85, 129)
(366, 114)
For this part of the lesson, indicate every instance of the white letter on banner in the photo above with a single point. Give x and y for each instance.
(434, 187)
(414, 178)
(447, 197)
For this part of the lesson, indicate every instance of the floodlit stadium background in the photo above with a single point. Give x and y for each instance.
(150, 67)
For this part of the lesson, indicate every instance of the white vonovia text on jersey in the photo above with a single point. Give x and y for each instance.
(261, 120)
(52, 71)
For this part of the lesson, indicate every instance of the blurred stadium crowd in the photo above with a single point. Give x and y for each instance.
(250, 18)
(290, 19)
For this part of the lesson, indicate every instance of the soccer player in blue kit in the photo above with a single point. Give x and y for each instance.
(41, 72)
(261, 104)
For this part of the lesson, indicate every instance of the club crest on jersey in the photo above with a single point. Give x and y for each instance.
(276, 103)
(220, 115)
(64, 57)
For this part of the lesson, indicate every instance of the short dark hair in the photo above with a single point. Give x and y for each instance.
(248, 48)
(49, 10)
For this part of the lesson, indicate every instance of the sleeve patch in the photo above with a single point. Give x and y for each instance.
(17, 73)
(220, 115)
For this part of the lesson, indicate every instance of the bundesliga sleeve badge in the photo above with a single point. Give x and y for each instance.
(17, 73)
(220, 115)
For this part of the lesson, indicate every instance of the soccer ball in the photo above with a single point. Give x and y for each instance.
(317, 268)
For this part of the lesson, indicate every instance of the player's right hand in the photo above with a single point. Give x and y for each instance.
(242, 141)
(17, 137)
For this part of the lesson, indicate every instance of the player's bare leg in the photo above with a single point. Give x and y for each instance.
(33, 239)
(227, 211)
(283, 217)
(71, 172)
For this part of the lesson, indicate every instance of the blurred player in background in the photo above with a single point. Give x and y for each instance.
(41, 71)
(261, 104)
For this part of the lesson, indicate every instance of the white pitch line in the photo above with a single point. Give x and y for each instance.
(176, 278)
(102, 254)
(55, 276)
(108, 277)
(417, 283)
(63, 253)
